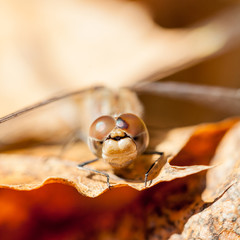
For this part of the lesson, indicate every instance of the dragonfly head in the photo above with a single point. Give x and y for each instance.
(118, 140)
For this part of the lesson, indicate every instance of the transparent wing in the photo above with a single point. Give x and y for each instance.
(175, 104)
(166, 105)
(50, 121)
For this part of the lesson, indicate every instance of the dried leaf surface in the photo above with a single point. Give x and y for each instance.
(221, 220)
(227, 166)
(220, 217)
(26, 169)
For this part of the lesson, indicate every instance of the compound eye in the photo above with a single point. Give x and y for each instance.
(102, 127)
(130, 123)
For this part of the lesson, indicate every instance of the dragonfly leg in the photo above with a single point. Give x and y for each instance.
(88, 162)
(82, 166)
(151, 167)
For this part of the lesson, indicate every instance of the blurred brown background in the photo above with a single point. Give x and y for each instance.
(52, 46)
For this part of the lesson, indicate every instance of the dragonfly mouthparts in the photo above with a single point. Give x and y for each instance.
(117, 138)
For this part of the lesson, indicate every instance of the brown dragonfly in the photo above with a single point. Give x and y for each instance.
(110, 121)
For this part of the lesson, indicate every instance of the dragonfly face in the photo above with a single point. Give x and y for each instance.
(118, 140)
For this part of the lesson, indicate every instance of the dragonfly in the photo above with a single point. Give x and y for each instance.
(111, 121)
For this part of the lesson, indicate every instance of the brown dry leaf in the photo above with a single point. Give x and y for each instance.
(122, 213)
(221, 220)
(190, 149)
(227, 166)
